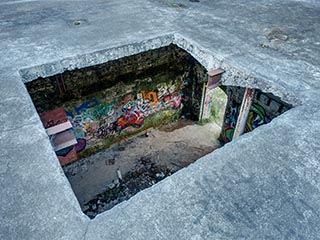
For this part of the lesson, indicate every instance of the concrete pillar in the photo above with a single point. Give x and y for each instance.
(202, 100)
(244, 112)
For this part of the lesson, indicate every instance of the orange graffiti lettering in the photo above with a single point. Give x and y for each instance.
(151, 96)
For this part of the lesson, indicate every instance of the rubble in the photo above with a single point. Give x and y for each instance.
(145, 174)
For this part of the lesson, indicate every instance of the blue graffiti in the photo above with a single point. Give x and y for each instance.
(89, 104)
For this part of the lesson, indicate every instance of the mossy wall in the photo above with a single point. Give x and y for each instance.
(112, 101)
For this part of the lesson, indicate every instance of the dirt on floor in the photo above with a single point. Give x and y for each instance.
(117, 173)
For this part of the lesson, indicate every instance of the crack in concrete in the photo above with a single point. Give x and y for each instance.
(20, 127)
(86, 230)
(5, 166)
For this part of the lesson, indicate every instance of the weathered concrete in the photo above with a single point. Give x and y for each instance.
(244, 112)
(267, 193)
(264, 185)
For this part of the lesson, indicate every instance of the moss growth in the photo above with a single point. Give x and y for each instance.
(219, 102)
(205, 121)
(218, 105)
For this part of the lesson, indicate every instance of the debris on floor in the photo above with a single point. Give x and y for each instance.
(115, 174)
(145, 174)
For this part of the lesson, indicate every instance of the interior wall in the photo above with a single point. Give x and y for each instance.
(265, 107)
(112, 101)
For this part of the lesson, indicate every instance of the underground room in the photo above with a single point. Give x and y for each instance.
(122, 126)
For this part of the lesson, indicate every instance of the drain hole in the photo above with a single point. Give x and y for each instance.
(76, 22)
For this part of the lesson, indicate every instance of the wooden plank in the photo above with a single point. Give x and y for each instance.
(214, 77)
(215, 72)
(59, 128)
(53, 117)
(63, 140)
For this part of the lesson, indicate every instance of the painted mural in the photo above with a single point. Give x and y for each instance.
(95, 120)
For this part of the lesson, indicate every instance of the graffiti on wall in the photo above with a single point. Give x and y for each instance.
(93, 121)
(207, 103)
(231, 116)
(261, 112)
(257, 117)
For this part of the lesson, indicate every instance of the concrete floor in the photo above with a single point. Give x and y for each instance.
(173, 146)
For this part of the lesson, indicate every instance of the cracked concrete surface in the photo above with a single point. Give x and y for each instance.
(264, 185)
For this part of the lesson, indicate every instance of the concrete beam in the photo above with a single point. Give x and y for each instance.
(244, 112)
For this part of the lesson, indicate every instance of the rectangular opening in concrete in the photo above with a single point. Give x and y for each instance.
(122, 126)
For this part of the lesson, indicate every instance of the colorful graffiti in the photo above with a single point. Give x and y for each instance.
(151, 97)
(260, 113)
(228, 134)
(83, 107)
(257, 117)
(232, 112)
(131, 118)
(95, 120)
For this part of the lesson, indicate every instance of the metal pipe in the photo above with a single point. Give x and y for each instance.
(63, 85)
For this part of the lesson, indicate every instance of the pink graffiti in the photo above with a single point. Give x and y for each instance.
(177, 101)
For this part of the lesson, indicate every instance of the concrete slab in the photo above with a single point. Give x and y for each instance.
(257, 195)
(16, 107)
(264, 185)
(36, 198)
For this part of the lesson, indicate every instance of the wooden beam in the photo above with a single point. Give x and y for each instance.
(59, 128)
